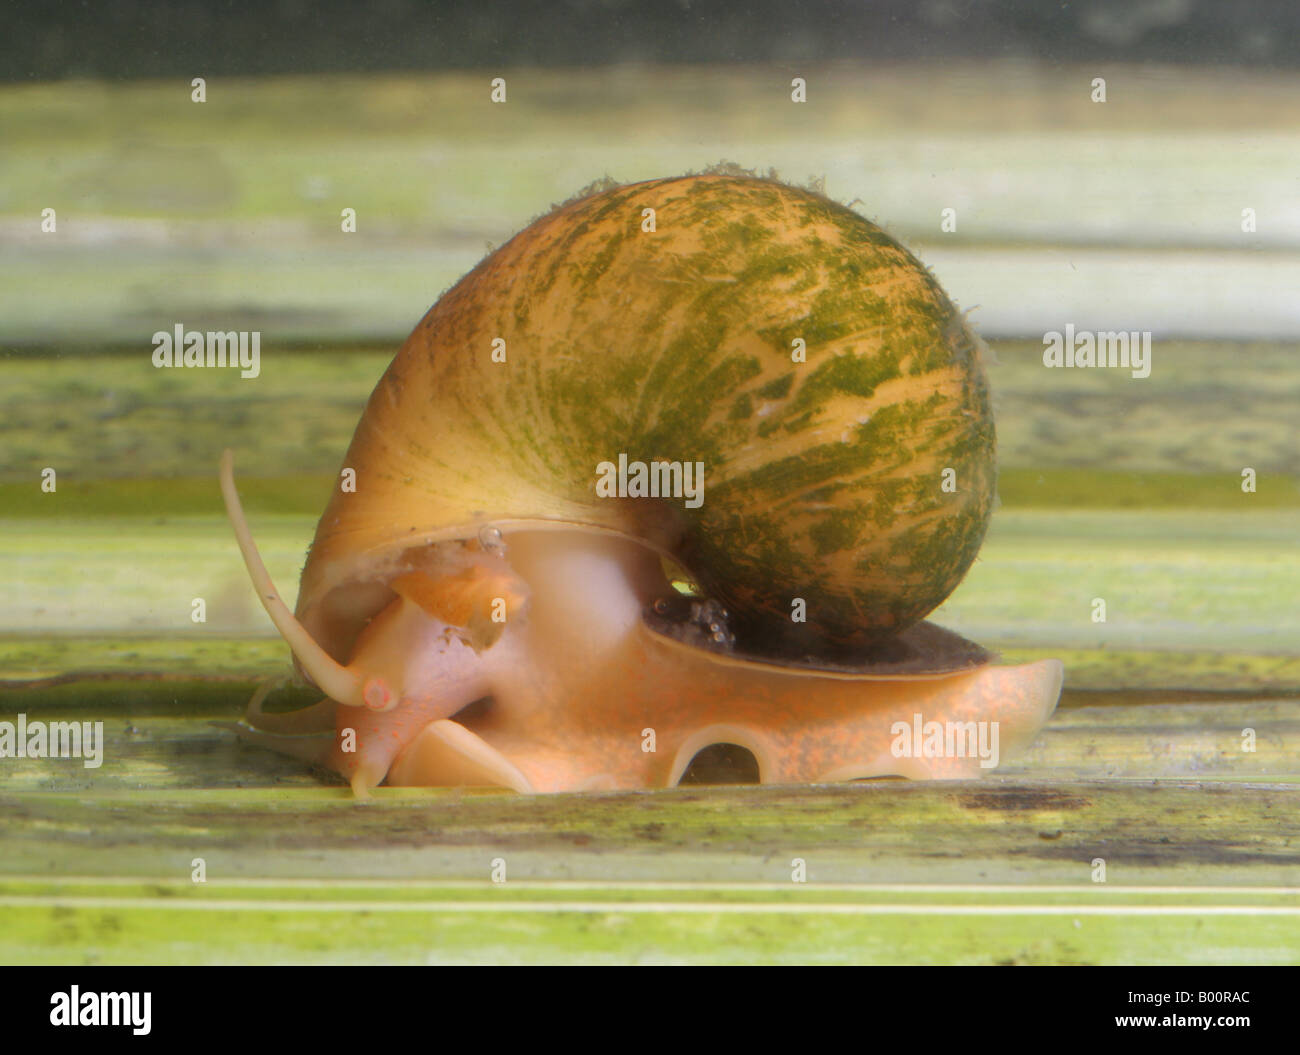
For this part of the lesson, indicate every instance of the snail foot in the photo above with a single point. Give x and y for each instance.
(446, 754)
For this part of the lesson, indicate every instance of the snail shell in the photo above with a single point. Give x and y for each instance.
(823, 479)
(831, 393)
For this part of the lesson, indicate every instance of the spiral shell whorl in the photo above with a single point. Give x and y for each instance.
(822, 478)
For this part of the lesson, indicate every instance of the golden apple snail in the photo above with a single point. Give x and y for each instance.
(759, 387)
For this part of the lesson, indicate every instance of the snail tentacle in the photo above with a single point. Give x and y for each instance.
(306, 734)
(315, 748)
(335, 680)
(318, 718)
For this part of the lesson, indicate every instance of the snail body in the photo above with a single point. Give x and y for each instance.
(831, 400)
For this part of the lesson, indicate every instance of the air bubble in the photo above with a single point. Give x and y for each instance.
(490, 539)
(702, 623)
(712, 617)
(708, 612)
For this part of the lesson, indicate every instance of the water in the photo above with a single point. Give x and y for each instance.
(1172, 498)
